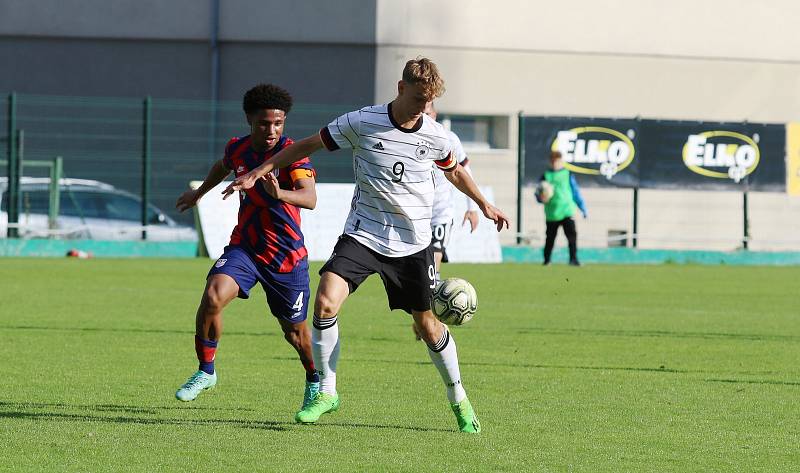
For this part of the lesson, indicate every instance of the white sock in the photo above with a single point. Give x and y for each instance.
(444, 356)
(325, 349)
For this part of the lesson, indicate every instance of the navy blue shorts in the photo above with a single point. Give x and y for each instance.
(287, 293)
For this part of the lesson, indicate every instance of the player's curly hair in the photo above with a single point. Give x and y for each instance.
(267, 96)
(424, 72)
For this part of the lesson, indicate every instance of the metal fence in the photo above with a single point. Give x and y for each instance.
(149, 147)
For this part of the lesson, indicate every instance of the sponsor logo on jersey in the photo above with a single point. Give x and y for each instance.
(378, 146)
(221, 262)
(721, 154)
(595, 150)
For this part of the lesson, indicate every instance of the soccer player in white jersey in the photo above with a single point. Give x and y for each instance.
(442, 218)
(395, 148)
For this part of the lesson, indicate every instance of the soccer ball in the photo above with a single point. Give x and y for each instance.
(544, 190)
(454, 301)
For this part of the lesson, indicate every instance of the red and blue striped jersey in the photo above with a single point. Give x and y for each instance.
(268, 228)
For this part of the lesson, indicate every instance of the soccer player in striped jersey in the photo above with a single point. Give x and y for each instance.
(266, 245)
(395, 149)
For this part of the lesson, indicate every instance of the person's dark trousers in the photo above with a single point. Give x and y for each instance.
(572, 237)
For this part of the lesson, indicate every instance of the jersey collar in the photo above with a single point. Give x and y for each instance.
(413, 129)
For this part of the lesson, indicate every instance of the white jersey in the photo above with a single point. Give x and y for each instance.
(393, 199)
(443, 198)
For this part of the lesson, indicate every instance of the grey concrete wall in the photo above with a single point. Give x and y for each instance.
(321, 51)
(343, 21)
(103, 67)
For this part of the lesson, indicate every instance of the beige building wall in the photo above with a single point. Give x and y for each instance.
(695, 60)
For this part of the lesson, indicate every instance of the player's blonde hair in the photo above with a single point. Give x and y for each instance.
(423, 71)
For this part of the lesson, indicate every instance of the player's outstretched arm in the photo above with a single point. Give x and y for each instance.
(294, 152)
(216, 174)
(463, 182)
(304, 194)
(471, 215)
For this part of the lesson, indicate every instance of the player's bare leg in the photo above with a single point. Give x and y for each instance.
(442, 350)
(220, 290)
(331, 294)
(437, 261)
(299, 337)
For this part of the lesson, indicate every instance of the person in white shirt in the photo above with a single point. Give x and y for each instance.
(442, 219)
(388, 231)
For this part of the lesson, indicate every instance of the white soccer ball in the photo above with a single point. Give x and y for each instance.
(454, 301)
(544, 190)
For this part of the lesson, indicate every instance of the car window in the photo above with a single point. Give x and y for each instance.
(32, 202)
(87, 204)
(35, 202)
(124, 207)
(79, 204)
(119, 207)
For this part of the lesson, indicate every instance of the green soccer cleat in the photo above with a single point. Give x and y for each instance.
(195, 385)
(312, 388)
(465, 415)
(321, 404)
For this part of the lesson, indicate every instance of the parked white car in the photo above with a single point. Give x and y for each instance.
(88, 209)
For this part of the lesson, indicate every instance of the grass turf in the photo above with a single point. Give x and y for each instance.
(600, 368)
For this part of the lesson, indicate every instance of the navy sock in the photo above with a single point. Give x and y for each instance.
(206, 352)
(312, 377)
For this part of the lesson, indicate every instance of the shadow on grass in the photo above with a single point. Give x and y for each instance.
(56, 416)
(115, 407)
(753, 381)
(17, 410)
(132, 330)
(661, 333)
(529, 330)
(522, 365)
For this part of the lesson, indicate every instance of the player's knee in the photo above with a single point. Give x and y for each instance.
(429, 330)
(294, 337)
(213, 299)
(325, 306)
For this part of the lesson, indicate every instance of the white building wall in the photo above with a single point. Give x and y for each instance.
(695, 60)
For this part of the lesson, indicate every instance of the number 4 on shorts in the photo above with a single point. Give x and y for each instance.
(298, 304)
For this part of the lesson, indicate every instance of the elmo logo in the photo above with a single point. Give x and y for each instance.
(595, 150)
(721, 154)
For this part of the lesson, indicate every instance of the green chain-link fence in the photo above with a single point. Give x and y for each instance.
(119, 140)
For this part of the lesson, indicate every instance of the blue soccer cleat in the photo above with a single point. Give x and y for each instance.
(312, 388)
(196, 384)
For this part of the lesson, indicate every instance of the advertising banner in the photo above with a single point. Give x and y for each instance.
(601, 152)
(323, 225)
(793, 158)
(712, 155)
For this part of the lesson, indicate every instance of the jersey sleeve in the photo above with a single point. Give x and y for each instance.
(458, 149)
(576, 194)
(447, 160)
(301, 170)
(343, 132)
(226, 158)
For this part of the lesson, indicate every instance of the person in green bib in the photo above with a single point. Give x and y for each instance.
(558, 191)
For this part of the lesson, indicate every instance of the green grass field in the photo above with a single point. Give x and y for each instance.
(593, 369)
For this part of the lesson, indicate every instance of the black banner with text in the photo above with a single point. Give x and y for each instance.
(605, 152)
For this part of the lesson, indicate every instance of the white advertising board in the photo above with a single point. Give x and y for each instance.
(323, 225)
